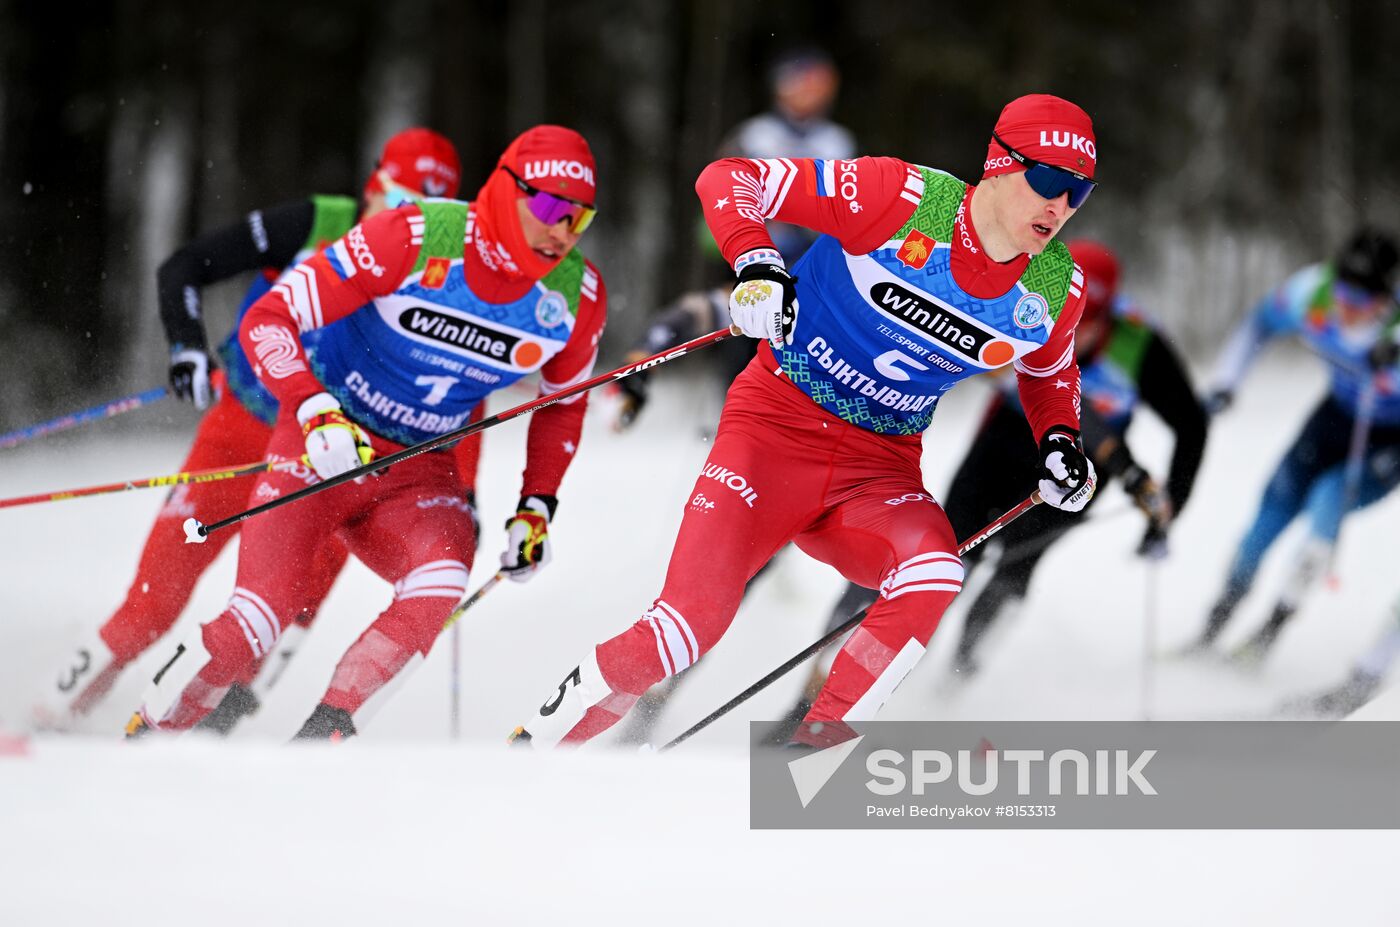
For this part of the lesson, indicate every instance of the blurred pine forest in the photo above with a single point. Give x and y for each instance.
(1237, 139)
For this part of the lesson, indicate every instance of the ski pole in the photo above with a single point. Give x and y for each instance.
(1021, 508)
(74, 419)
(471, 600)
(149, 482)
(196, 531)
(455, 686)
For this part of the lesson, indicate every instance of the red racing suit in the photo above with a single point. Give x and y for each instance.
(820, 442)
(403, 300)
(233, 432)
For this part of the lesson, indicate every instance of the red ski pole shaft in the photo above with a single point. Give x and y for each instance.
(149, 482)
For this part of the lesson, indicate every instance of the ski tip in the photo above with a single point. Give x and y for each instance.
(195, 532)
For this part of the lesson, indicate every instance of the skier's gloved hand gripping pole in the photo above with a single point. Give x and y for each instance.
(836, 633)
(196, 532)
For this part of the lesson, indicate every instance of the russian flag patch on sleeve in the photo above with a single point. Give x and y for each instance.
(339, 258)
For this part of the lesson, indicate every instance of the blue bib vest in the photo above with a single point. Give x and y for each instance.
(413, 364)
(880, 337)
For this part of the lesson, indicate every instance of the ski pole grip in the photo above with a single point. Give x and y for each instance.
(195, 532)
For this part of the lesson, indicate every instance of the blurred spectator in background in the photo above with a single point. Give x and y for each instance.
(1348, 454)
(803, 83)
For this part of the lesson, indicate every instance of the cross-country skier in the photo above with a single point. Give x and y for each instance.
(1124, 361)
(803, 83)
(238, 425)
(917, 281)
(1344, 311)
(438, 304)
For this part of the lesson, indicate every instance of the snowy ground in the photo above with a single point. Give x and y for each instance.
(405, 823)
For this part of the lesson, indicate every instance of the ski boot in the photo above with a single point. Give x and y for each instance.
(327, 723)
(237, 704)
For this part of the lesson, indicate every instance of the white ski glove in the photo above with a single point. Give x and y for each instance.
(764, 303)
(334, 444)
(1067, 477)
(527, 538)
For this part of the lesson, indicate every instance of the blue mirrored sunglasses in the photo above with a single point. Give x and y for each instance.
(1051, 181)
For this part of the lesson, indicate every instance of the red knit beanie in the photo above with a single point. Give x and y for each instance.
(1043, 128)
(549, 158)
(556, 160)
(419, 159)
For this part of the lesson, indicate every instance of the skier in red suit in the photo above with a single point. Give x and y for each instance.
(238, 424)
(439, 304)
(916, 282)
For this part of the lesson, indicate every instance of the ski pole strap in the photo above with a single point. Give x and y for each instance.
(150, 482)
(74, 419)
(1021, 508)
(201, 530)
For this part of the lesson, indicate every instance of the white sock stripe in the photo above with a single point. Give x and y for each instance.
(928, 558)
(662, 655)
(676, 636)
(676, 644)
(256, 616)
(940, 569)
(257, 601)
(932, 571)
(435, 565)
(254, 624)
(922, 587)
(895, 585)
(248, 612)
(684, 627)
(253, 644)
(444, 577)
(439, 578)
